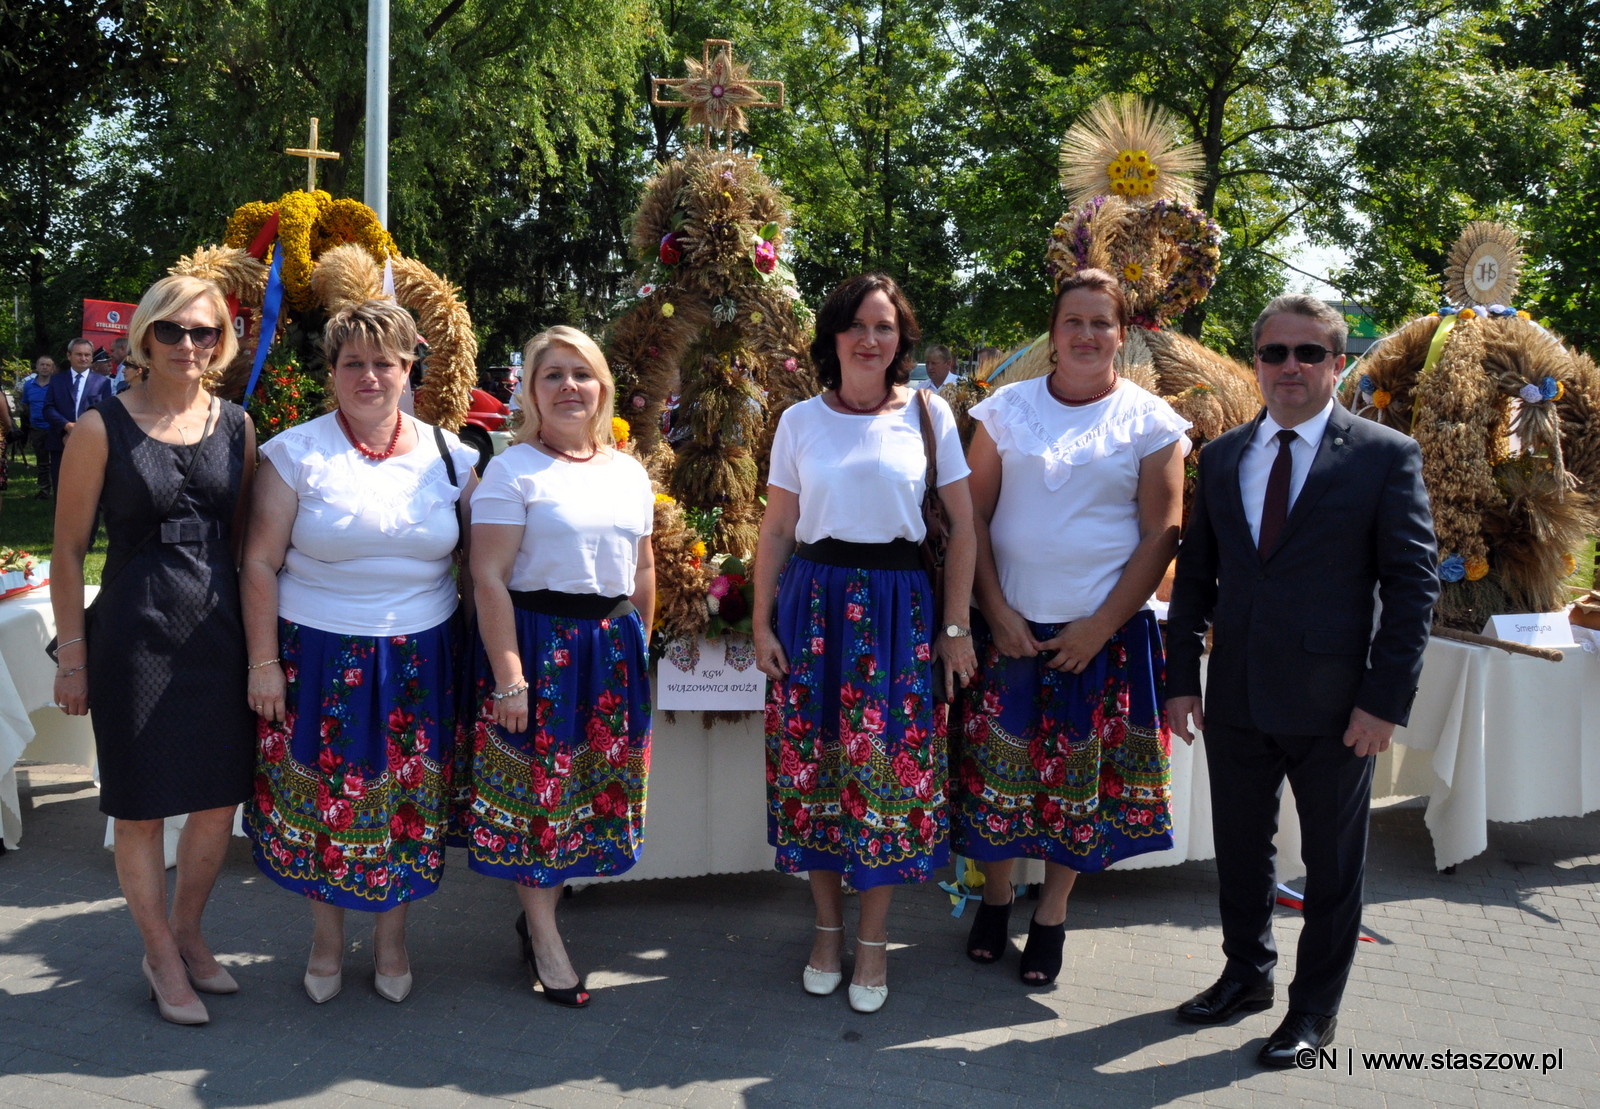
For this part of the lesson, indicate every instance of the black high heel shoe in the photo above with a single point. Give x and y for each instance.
(990, 932)
(1043, 953)
(574, 997)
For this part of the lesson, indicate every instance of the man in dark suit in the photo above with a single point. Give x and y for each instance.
(70, 395)
(1297, 516)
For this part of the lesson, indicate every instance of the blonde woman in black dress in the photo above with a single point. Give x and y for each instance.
(161, 663)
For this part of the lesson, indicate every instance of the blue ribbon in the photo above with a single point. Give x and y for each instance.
(270, 306)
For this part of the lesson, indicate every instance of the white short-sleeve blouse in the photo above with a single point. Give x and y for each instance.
(1067, 520)
(861, 478)
(371, 548)
(581, 523)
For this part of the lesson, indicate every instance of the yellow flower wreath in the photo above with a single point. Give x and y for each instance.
(308, 225)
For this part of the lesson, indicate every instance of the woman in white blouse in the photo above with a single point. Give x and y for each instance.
(349, 606)
(1062, 753)
(856, 761)
(565, 578)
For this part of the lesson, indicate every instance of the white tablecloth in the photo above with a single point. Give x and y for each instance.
(27, 686)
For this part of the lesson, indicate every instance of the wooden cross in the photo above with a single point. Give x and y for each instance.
(716, 92)
(311, 154)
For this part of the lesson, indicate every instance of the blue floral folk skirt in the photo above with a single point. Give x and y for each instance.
(351, 789)
(856, 762)
(564, 799)
(1070, 768)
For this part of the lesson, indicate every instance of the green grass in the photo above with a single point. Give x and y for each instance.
(29, 523)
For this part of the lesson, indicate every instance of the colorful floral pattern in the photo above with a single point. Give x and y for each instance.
(350, 789)
(564, 799)
(1071, 768)
(856, 766)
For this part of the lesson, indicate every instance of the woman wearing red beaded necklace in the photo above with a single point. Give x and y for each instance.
(556, 762)
(349, 604)
(1077, 489)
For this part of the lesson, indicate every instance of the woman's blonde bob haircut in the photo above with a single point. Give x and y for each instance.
(380, 325)
(174, 294)
(538, 348)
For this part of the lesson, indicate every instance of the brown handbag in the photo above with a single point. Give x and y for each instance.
(937, 523)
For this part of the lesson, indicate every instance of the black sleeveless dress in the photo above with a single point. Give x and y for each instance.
(166, 639)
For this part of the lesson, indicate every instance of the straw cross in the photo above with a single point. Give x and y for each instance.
(716, 92)
(312, 155)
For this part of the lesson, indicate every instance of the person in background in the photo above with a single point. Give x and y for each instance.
(35, 387)
(559, 752)
(1303, 519)
(161, 666)
(846, 628)
(350, 610)
(120, 377)
(941, 364)
(101, 362)
(70, 395)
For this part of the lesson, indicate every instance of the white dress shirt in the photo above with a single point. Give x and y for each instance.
(1255, 464)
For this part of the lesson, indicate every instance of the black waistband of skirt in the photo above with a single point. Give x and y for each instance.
(571, 606)
(897, 554)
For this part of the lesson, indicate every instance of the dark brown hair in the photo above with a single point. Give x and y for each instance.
(838, 312)
(1096, 281)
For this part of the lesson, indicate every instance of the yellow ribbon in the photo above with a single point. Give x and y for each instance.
(1435, 350)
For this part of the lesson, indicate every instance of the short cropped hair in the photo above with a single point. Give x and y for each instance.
(1303, 304)
(80, 341)
(43, 358)
(376, 324)
(939, 351)
(586, 348)
(1097, 281)
(838, 312)
(172, 294)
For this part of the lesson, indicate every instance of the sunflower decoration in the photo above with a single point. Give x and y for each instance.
(1125, 146)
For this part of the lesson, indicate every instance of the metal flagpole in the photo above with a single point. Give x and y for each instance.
(377, 184)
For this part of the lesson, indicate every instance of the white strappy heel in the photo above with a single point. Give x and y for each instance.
(822, 982)
(868, 999)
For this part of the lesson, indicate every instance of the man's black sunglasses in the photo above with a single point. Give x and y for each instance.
(169, 334)
(1307, 354)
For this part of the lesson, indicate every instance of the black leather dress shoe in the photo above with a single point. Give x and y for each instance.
(1225, 998)
(1300, 1031)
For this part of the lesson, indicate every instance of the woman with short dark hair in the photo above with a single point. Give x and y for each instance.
(856, 763)
(1062, 753)
(349, 608)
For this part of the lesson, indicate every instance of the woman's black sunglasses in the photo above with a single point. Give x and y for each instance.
(1307, 354)
(169, 334)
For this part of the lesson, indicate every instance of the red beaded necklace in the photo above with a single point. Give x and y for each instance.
(838, 395)
(1050, 384)
(564, 454)
(376, 456)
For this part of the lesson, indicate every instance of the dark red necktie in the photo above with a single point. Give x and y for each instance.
(1275, 508)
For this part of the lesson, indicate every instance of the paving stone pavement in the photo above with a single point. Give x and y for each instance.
(698, 1000)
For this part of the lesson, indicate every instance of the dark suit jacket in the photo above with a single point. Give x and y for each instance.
(1293, 647)
(58, 404)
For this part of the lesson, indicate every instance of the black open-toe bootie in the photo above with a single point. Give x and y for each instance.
(1043, 953)
(574, 997)
(990, 932)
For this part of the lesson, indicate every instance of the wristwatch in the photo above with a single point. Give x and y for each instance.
(955, 631)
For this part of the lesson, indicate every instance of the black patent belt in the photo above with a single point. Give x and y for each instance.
(571, 606)
(190, 531)
(897, 554)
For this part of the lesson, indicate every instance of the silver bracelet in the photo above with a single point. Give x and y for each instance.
(69, 673)
(69, 643)
(520, 687)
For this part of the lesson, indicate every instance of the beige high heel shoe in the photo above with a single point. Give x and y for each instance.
(392, 987)
(323, 988)
(192, 1013)
(219, 983)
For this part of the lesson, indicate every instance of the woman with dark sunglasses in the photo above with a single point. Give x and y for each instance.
(160, 660)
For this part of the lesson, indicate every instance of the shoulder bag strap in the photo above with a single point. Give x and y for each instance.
(450, 468)
(926, 419)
